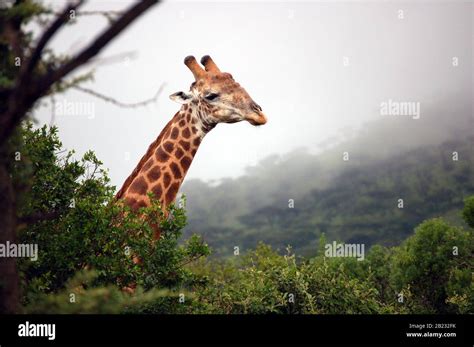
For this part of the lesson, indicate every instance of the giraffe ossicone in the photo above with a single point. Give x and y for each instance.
(214, 97)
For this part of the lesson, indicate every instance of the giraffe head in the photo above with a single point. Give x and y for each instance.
(223, 99)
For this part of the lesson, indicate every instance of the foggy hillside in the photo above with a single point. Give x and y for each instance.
(355, 200)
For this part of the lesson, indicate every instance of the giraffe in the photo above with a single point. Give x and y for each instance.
(214, 97)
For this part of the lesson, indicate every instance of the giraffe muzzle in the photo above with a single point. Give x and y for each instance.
(257, 118)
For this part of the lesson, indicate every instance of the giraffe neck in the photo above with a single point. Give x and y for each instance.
(163, 168)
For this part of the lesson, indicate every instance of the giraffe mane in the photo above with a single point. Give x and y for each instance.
(143, 160)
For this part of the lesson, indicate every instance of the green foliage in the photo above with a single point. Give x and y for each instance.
(70, 212)
(23, 12)
(427, 270)
(265, 282)
(378, 263)
(354, 202)
(75, 298)
(435, 263)
(468, 211)
(25, 9)
(88, 243)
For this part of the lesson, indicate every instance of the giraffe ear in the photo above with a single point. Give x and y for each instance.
(181, 97)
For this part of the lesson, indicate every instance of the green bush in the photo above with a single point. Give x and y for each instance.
(435, 263)
(87, 243)
(78, 298)
(265, 282)
(468, 211)
(70, 213)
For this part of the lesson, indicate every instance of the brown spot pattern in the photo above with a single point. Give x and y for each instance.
(138, 186)
(174, 133)
(168, 146)
(171, 193)
(154, 173)
(185, 163)
(185, 145)
(148, 165)
(186, 133)
(178, 153)
(166, 179)
(161, 155)
(130, 201)
(175, 170)
(157, 190)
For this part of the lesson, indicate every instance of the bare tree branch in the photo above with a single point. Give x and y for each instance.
(101, 13)
(30, 64)
(117, 58)
(111, 16)
(18, 100)
(27, 91)
(95, 47)
(119, 103)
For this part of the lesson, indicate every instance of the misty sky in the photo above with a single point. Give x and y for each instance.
(318, 69)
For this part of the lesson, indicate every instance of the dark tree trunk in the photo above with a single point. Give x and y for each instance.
(9, 291)
(15, 101)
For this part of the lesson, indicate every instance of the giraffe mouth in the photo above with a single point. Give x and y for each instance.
(257, 119)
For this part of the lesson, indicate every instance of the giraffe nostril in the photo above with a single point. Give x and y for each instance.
(256, 107)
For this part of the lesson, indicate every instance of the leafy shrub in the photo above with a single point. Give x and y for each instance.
(70, 212)
(468, 211)
(87, 243)
(435, 262)
(77, 297)
(265, 282)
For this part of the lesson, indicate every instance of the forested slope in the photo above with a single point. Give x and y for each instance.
(352, 201)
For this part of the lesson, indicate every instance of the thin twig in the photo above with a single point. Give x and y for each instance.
(95, 47)
(120, 103)
(117, 58)
(30, 64)
(111, 16)
(190, 260)
(27, 90)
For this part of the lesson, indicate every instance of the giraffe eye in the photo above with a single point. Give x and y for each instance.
(211, 96)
